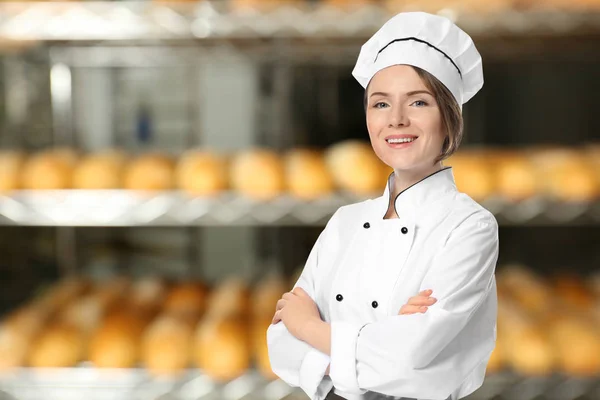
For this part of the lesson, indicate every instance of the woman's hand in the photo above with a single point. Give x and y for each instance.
(296, 309)
(418, 303)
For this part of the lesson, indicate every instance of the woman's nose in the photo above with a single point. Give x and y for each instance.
(398, 118)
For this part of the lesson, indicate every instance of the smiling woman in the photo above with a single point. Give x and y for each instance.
(451, 115)
(341, 333)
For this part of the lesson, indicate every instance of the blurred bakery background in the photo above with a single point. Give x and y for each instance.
(166, 167)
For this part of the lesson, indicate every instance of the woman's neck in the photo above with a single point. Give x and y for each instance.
(404, 179)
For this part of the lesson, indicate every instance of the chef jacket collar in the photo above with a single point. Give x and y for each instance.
(421, 193)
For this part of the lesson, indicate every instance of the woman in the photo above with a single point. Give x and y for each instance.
(350, 327)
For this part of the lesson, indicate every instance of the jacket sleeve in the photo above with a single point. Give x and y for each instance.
(295, 361)
(423, 355)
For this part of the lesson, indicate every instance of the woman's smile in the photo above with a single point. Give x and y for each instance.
(400, 143)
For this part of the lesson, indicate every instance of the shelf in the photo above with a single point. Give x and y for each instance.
(129, 208)
(133, 384)
(151, 21)
(128, 384)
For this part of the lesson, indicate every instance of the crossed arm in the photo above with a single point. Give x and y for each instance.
(304, 322)
(403, 355)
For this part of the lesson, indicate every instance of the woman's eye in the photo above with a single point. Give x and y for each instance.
(420, 103)
(379, 105)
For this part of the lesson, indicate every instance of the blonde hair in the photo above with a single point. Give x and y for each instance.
(452, 119)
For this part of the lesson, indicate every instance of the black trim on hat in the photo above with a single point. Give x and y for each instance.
(420, 41)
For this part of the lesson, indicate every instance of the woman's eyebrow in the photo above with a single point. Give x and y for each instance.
(379, 94)
(418, 92)
(412, 93)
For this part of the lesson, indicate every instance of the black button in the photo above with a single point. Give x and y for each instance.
(374, 304)
(339, 297)
(366, 225)
(404, 230)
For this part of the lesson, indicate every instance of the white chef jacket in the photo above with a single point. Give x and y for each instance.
(363, 268)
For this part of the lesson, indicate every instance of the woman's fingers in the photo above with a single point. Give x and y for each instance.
(418, 303)
(288, 295)
(412, 309)
(421, 300)
(276, 318)
(280, 304)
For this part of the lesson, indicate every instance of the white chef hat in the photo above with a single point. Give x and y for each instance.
(430, 42)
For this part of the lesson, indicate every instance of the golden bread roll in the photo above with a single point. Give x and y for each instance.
(87, 312)
(202, 173)
(549, 156)
(27, 320)
(125, 318)
(112, 292)
(58, 345)
(460, 6)
(62, 293)
(150, 172)
(84, 313)
(473, 174)
(187, 299)
(527, 348)
(307, 175)
(265, 296)
(430, 6)
(565, 5)
(592, 153)
(147, 296)
(167, 345)
(349, 5)
(100, 171)
(530, 352)
(231, 298)
(67, 155)
(567, 175)
(577, 342)
(573, 292)
(529, 290)
(221, 348)
(480, 7)
(355, 167)
(48, 170)
(260, 348)
(11, 163)
(13, 347)
(116, 344)
(262, 5)
(517, 178)
(258, 174)
(17, 332)
(574, 181)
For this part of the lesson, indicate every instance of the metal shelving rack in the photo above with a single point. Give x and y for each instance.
(106, 34)
(129, 34)
(151, 21)
(71, 208)
(137, 384)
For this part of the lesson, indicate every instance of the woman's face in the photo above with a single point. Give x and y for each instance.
(400, 108)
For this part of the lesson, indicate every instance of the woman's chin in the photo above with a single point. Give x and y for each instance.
(402, 165)
(413, 167)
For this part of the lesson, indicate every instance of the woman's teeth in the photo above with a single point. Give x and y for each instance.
(403, 140)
